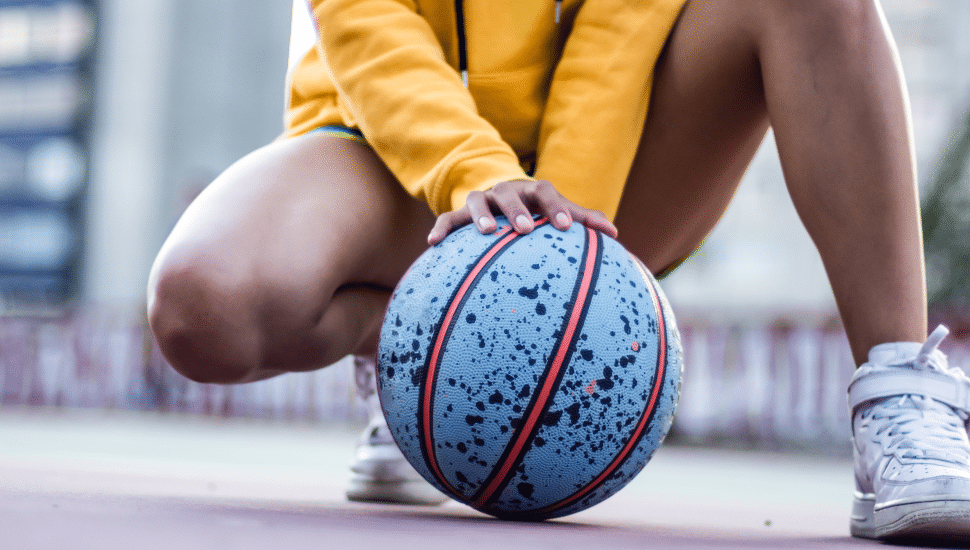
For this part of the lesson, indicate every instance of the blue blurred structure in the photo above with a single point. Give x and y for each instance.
(47, 52)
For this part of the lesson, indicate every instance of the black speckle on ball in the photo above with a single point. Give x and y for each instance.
(551, 418)
(573, 412)
(530, 293)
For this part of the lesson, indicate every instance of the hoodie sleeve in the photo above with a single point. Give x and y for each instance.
(599, 96)
(392, 77)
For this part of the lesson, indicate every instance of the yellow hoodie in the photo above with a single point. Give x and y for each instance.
(561, 86)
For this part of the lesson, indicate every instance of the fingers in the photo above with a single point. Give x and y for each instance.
(518, 200)
(476, 210)
(508, 198)
(562, 212)
(545, 200)
(479, 212)
(553, 205)
(446, 223)
(594, 219)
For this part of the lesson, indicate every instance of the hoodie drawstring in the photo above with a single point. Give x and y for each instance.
(462, 54)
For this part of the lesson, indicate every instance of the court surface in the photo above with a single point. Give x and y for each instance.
(93, 480)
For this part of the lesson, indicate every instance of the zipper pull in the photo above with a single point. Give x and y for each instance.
(558, 10)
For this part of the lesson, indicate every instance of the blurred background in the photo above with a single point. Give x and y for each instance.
(115, 114)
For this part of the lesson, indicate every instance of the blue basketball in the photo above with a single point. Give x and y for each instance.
(529, 376)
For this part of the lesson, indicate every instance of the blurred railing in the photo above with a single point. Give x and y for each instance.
(99, 359)
(778, 386)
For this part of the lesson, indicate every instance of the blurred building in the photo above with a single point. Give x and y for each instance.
(46, 71)
(185, 88)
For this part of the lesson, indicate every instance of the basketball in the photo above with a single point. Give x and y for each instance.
(529, 376)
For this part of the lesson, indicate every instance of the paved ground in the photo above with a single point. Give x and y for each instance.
(94, 480)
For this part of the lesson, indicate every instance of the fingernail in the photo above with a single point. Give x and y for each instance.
(523, 221)
(562, 218)
(484, 221)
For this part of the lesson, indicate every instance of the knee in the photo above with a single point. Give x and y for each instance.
(198, 320)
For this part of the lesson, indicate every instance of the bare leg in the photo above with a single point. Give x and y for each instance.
(285, 262)
(848, 158)
(825, 74)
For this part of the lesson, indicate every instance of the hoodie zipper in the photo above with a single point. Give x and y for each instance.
(462, 49)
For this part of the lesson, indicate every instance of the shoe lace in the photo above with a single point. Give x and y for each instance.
(919, 427)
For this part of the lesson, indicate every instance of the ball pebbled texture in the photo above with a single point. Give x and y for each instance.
(529, 376)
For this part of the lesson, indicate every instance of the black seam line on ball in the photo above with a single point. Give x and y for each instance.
(439, 340)
(547, 386)
(642, 426)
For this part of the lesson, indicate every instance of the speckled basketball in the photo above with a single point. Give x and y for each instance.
(529, 376)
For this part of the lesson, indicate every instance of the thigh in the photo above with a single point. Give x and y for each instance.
(706, 119)
(248, 275)
(317, 210)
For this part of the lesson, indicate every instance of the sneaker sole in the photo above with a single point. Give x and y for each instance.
(419, 493)
(383, 464)
(943, 519)
(861, 523)
(380, 473)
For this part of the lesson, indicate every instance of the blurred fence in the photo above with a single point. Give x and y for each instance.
(97, 359)
(775, 386)
(778, 386)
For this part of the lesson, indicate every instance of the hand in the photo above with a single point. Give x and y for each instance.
(518, 200)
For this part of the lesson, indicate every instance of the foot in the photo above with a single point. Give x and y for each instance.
(380, 473)
(912, 456)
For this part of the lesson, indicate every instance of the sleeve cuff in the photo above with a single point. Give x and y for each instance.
(477, 172)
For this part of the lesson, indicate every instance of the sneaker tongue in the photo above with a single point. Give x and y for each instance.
(895, 353)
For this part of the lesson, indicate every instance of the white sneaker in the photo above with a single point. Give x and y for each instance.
(380, 473)
(912, 456)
